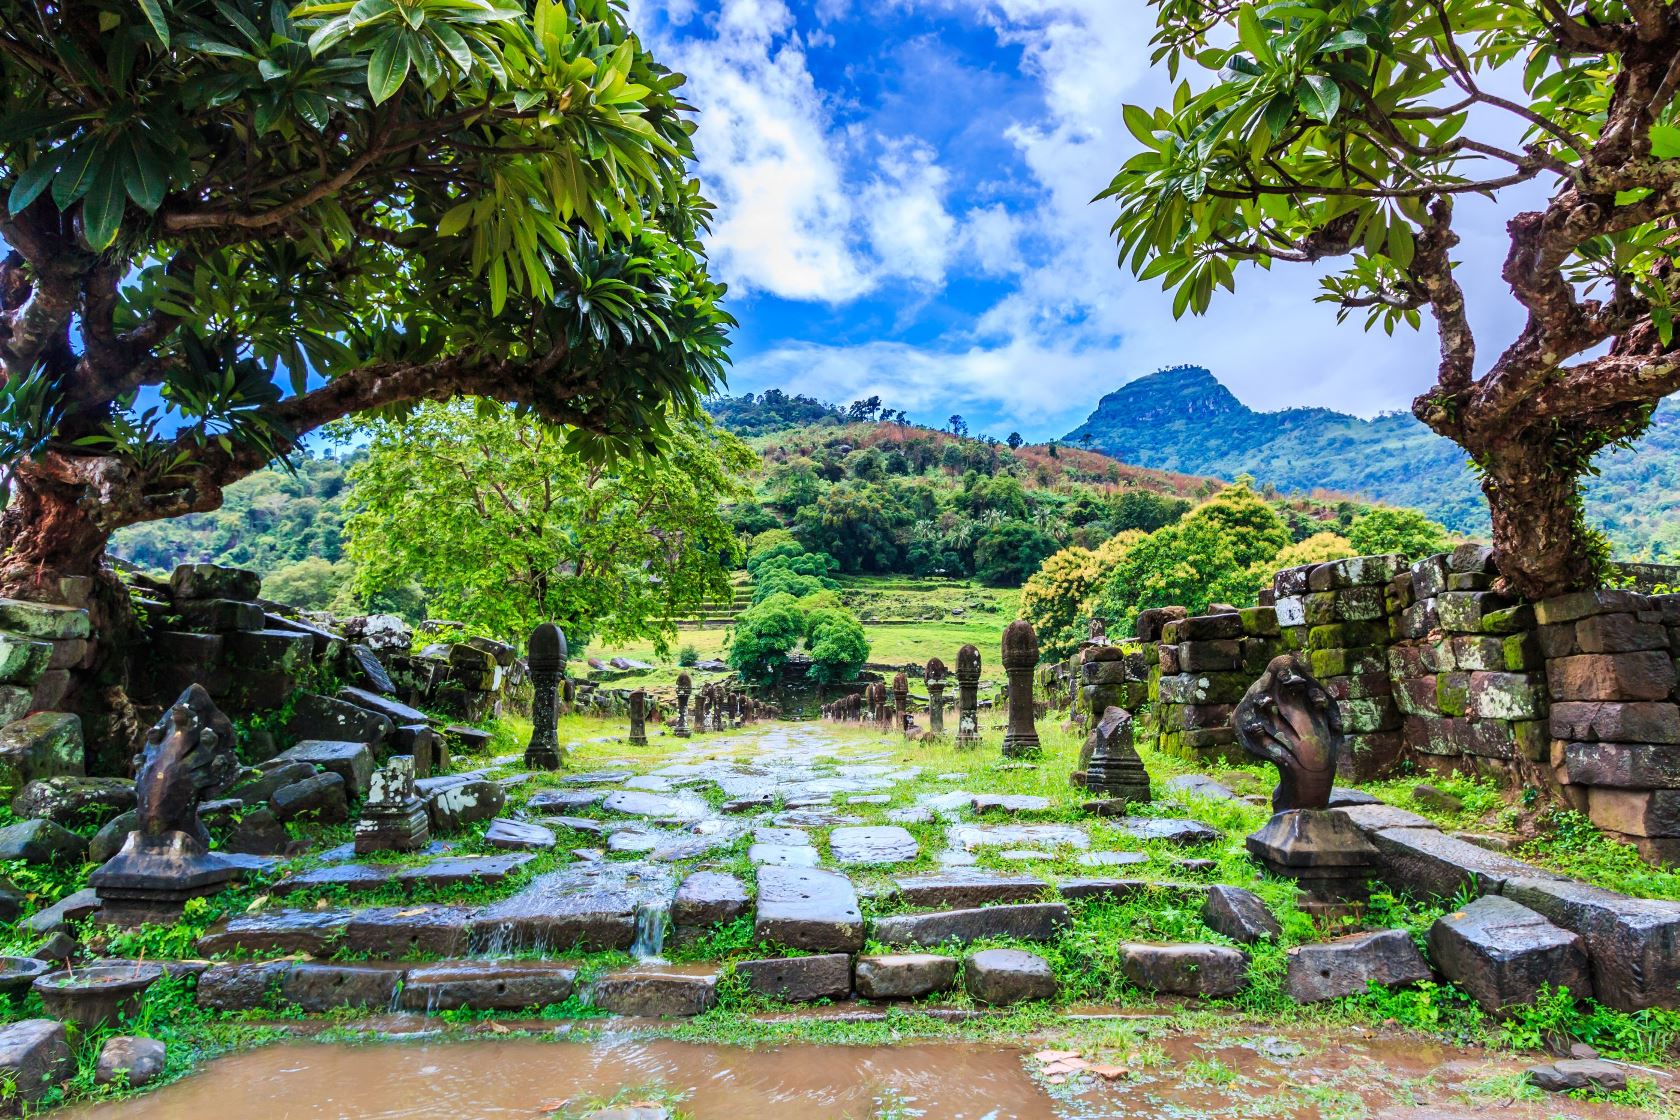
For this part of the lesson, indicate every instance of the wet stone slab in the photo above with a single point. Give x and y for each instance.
(1030, 921)
(487, 985)
(1112, 859)
(518, 835)
(783, 855)
(1010, 803)
(969, 837)
(275, 932)
(1182, 833)
(872, 844)
(402, 931)
(967, 889)
(657, 992)
(804, 908)
(599, 778)
(562, 800)
(636, 803)
(708, 898)
(585, 906)
(350, 876)
(458, 871)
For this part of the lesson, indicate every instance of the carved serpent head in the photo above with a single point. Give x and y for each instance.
(1287, 719)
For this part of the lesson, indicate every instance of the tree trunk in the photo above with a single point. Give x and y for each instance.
(52, 550)
(1541, 542)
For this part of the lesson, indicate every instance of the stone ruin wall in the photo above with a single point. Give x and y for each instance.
(1576, 696)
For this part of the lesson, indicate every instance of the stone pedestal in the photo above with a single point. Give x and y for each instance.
(546, 659)
(151, 879)
(394, 819)
(1020, 656)
(638, 718)
(1327, 856)
(685, 689)
(968, 697)
(1109, 765)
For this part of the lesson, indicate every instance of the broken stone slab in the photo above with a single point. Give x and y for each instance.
(799, 979)
(904, 975)
(319, 797)
(1168, 830)
(347, 876)
(1375, 816)
(1428, 863)
(276, 932)
(1591, 1073)
(1012, 804)
(43, 745)
(872, 844)
(34, 1057)
(652, 992)
(598, 777)
(1121, 889)
(406, 931)
(352, 761)
(586, 906)
(562, 801)
(394, 710)
(962, 890)
(41, 842)
(69, 798)
(1112, 859)
(708, 898)
(71, 908)
(1502, 953)
(518, 835)
(244, 986)
(1198, 785)
(317, 987)
(808, 909)
(1004, 976)
(1194, 969)
(327, 719)
(783, 855)
(256, 786)
(1239, 915)
(456, 807)
(969, 837)
(459, 871)
(1348, 965)
(637, 803)
(486, 985)
(1633, 943)
(1027, 921)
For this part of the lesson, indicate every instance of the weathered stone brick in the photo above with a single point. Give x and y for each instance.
(1522, 653)
(1624, 765)
(1375, 714)
(1210, 627)
(1611, 676)
(1417, 696)
(1585, 604)
(1619, 633)
(1648, 812)
(1419, 620)
(1616, 722)
(1557, 639)
(1452, 693)
(1506, 696)
(1210, 656)
(1429, 577)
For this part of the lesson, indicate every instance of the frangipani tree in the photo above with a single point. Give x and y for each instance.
(1329, 130)
(233, 221)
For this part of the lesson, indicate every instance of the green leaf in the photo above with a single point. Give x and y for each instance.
(154, 16)
(102, 206)
(1318, 97)
(33, 181)
(1343, 41)
(1140, 124)
(148, 179)
(388, 67)
(455, 220)
(77, 173)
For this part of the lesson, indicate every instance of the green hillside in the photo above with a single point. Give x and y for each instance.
(1183, 419)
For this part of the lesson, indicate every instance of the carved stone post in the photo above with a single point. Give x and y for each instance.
(934, 676)
(1108, 763)
(638, 718)
(545, 655)
(1020, 655)
(901, 701)
(393, 818)
(685, 689)
(968, 696)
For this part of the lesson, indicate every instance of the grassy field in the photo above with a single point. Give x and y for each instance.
(908, 620)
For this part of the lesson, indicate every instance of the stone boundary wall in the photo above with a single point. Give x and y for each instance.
(1577, 696)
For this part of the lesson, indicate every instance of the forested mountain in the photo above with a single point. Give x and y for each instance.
(1183, 419)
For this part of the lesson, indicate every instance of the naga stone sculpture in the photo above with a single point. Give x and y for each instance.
(393, 819)
(968, 696)
(638, 718)
(685, 689)
(1020, 655)
(167, 860)
(546, 660)
(933, 674)
(213, 765)
(1286, 718)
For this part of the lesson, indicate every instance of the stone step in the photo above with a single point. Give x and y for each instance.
(809, 909)
(963, 889)
(1030, 921)
(1502, 953)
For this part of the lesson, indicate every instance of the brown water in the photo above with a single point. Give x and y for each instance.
(1182, 1077)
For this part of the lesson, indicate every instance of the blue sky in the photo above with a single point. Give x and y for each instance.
(904, 209)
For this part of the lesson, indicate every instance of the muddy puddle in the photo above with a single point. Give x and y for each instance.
(1181, 1078)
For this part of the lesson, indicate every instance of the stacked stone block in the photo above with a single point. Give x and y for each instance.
(40, 645)
(1338, 615)
(1204, 665)
(1615, 726)
(1468, 671)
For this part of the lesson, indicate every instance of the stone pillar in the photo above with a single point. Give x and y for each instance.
(901, 701)
(546, 658)
(934, 676)
(568, 696)
(968, 697)
(685, 689)
(1020, 656)
(638, 718)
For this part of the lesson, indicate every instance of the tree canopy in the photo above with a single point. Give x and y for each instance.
(1331, 131)
(503, 527)
(268, 217)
